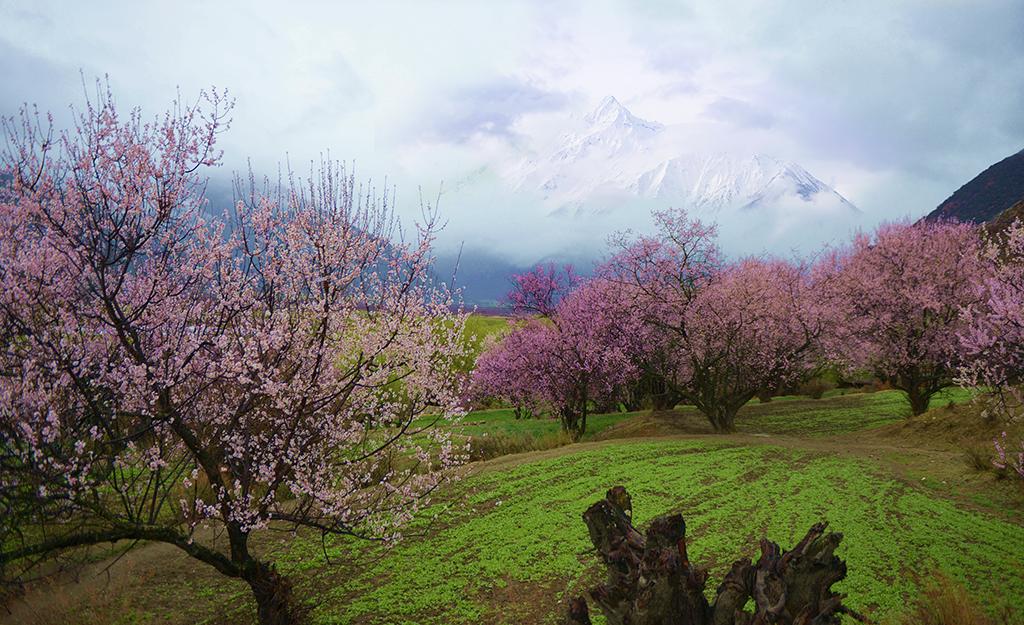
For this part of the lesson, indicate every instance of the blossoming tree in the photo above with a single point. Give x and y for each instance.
(580, 351)
(163, 376)
(896, 298)
(753, 326)
(538, 291)
(993, 339)
(714, 333)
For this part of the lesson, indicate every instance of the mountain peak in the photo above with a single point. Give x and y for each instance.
(608, 109)
(619, 155)
(611, 112)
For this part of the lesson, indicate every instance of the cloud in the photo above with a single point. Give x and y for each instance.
(740, 113)
(894, 104)
(491, 108)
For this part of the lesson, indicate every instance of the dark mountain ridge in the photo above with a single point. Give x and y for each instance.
(988, 194)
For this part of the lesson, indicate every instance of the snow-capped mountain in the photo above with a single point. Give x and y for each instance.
(615, 154)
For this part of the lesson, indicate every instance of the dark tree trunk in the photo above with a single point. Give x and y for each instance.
(664, 399)
(920, 386)
(273, 593)
(918, 398)
(661, 394)
(633, 397)
(651, 580)
(574, 422)
(721, 418)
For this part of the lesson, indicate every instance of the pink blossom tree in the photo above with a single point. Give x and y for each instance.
(505, 370)
(581, 352)
(895, 298)
(753, 326)
(714, 333)
(657, 278)
(993, 337)
(162, 373)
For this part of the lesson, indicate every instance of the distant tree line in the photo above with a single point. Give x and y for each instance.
(667, 319)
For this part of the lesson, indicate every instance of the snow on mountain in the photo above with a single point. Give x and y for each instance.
(617, 154)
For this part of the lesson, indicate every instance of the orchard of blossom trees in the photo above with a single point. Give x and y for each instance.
(173, 378)
(918, 306)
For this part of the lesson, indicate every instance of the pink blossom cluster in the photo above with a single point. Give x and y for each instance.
(993, 334)
(538, 292)
(1005, 458)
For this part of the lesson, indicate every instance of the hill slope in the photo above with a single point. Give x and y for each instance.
(988, 194)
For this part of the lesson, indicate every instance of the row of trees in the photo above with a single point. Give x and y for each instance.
(920, 306)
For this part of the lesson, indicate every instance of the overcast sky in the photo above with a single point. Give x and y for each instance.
(895, 104)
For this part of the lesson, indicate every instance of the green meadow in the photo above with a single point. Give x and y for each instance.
(506, 543)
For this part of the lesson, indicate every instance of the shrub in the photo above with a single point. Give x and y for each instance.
(980, 459)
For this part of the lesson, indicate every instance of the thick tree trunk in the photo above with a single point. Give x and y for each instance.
(919, 387)
(273, 593)
(651, 580)
(574, 422)
(721, 418)
(919, 399)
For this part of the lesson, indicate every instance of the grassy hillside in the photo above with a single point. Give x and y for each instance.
(508, 544)
(986, 195)
(519, 533)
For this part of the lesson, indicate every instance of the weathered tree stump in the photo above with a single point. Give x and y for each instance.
(651, 581)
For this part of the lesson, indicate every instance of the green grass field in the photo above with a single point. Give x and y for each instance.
(486, 325)
(519, 527)
(508, 544)
(479, 327)
(481, 422)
